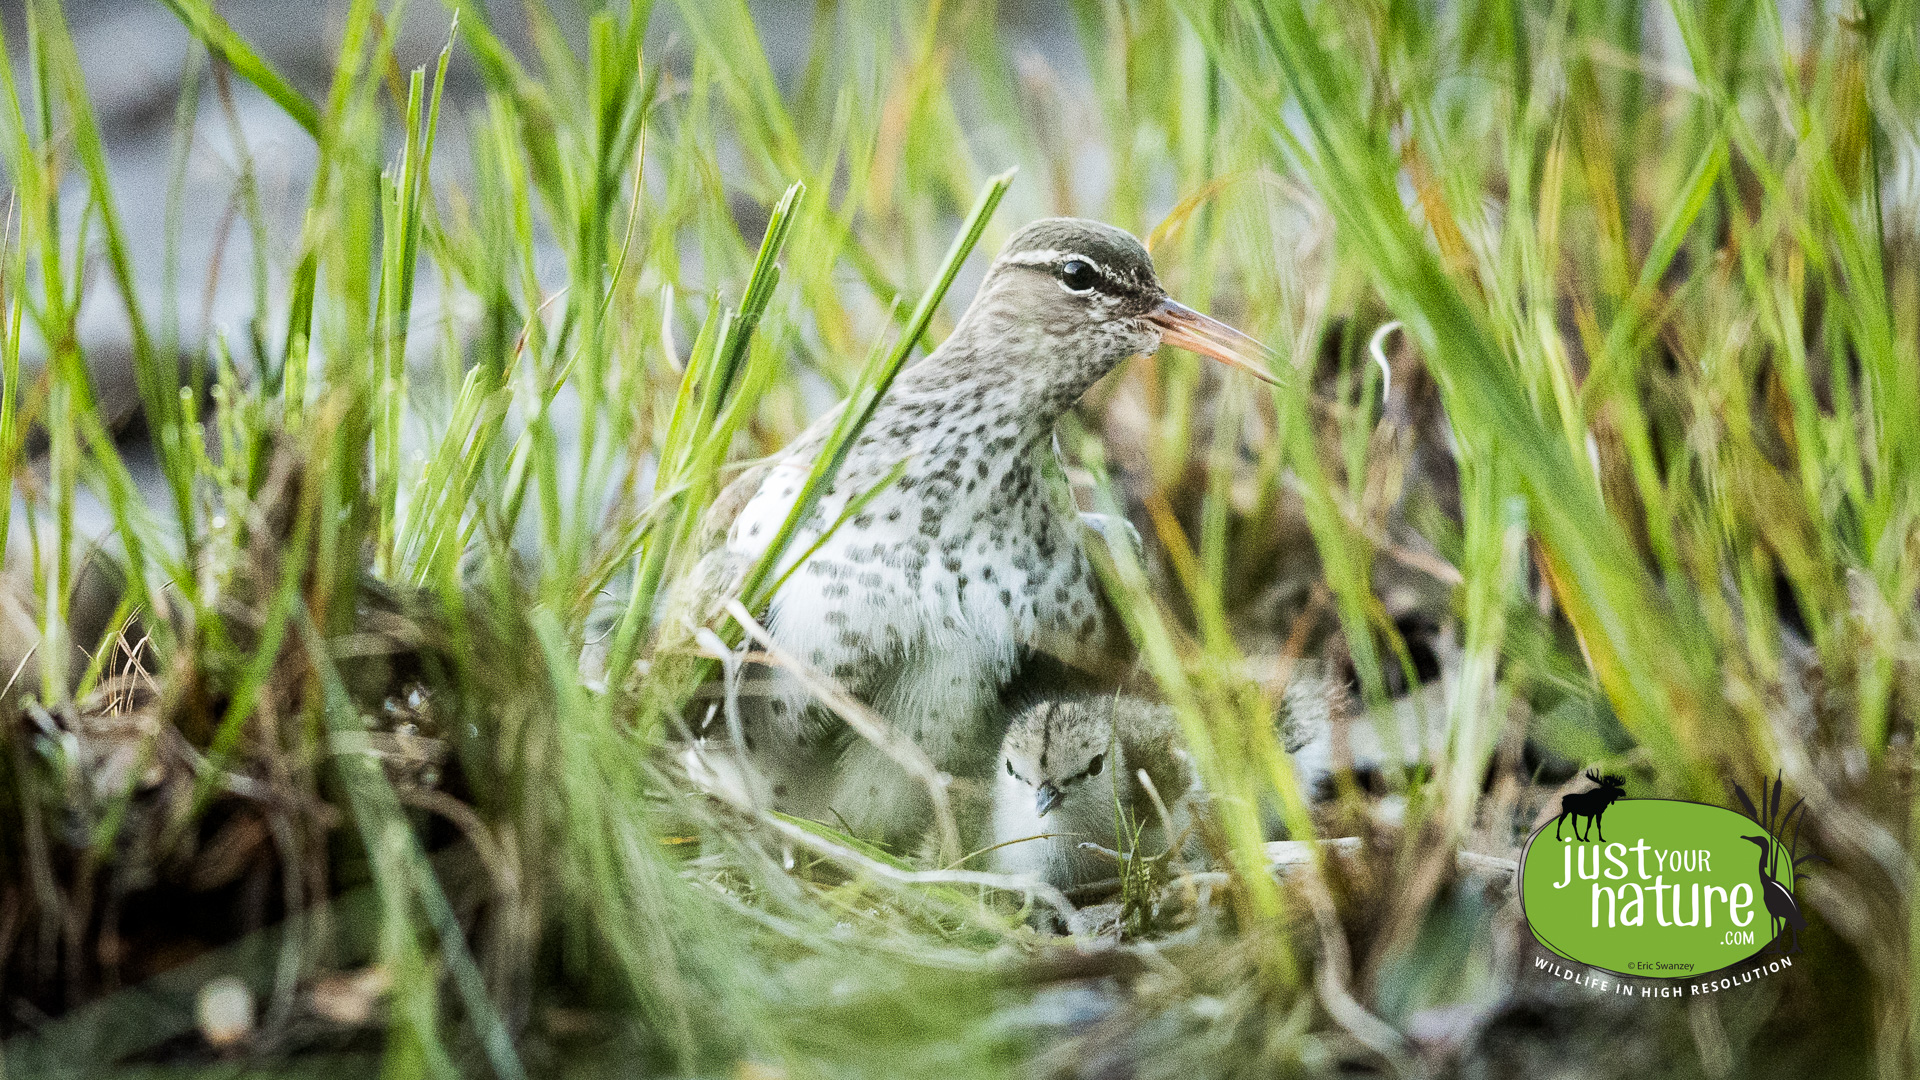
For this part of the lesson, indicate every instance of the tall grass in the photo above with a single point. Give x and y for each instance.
(1647, 452)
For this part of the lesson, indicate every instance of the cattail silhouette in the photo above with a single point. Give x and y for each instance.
(1780, 902)
(1786, 827)
(1590, 804)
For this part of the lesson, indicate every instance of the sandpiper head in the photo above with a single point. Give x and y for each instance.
(1088, 292)
(1053, 748)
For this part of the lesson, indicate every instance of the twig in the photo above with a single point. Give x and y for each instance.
(970, 856)
(22, 666)
(730, 709)
(848, 857)
(1334, 973)
(1374, 349)
(1159, 805)
(462, 817)
(1493, 864)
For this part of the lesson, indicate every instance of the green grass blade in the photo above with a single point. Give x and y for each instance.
(206, 24)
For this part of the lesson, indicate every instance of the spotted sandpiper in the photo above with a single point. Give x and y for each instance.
(970, 567)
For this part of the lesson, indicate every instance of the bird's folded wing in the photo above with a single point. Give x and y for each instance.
(1106, 657)
(698, 596)
(734, 498)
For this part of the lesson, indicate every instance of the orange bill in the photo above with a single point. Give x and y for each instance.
(1185, 328)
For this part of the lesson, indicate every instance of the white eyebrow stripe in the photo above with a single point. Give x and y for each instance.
(1044, 259)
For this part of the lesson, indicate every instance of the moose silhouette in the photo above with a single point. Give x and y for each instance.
(1590, 804)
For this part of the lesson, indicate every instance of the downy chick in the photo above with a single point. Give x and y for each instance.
(1069, 774)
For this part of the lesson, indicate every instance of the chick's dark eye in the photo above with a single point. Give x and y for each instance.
(1009, 768)
(1077, 275)
(1093, 767)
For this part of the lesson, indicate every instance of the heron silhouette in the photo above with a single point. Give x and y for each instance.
(1780, 903)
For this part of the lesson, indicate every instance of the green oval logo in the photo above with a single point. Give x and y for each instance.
(1656, 888)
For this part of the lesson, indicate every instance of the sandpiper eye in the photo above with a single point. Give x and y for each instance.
(1009, 767)
(1077, 276)
(1093, 767)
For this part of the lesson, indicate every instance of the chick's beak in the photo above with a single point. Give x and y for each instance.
(1046, 799)
(1185, 328)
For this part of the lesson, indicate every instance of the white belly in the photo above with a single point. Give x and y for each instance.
(926, 628)
(920, 606)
